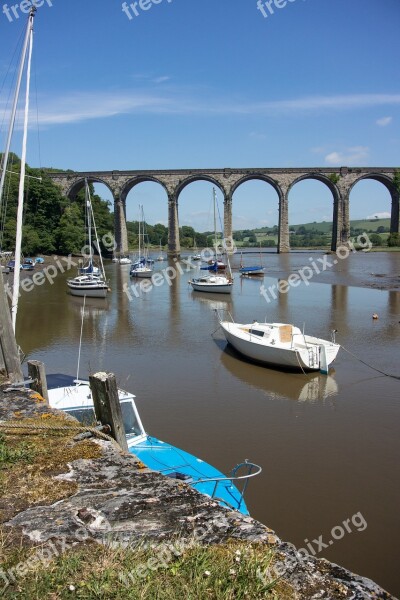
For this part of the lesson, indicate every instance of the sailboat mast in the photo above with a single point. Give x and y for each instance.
(140, 217)
(20, 210)
(215, 227)
(6, 154)
(89, 221)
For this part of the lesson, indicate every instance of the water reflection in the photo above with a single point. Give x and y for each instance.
(277, 384)
(89, 307)
(222, 302)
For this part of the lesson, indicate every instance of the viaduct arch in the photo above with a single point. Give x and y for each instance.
(339, 181)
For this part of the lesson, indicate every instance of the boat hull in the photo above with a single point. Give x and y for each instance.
(91, 289)
(248, 271)
(211, 287)
(144, 273)
(154, 453)
(241, 338)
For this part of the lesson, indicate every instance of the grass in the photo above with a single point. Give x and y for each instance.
(29, 461)
(228, 572)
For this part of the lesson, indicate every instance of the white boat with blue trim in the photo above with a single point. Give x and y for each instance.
(75, 398)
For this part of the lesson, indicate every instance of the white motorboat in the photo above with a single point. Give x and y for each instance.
(280, 345)
(125, 260)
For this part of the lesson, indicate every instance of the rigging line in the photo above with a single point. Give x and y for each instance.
(370, 366)
(26, 176)
(80, 337)
(17, 47)
(95, 232)
(37, 113)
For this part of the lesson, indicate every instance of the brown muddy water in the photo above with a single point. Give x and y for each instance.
(329, 446)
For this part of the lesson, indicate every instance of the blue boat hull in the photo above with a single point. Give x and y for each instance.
(178, 464)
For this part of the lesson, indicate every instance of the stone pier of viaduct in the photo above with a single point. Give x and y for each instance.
(340, 182)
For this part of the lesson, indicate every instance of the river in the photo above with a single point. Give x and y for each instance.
(329, 446)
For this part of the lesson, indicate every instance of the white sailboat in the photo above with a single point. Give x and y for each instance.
(196, 255)
(160, 257)
(89, 283)
(141, 267)
(216, 284)
(280, 345)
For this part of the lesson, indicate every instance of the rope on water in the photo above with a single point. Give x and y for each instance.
(370, 366)
(7, 427)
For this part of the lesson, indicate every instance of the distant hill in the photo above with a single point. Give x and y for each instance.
(367, 225)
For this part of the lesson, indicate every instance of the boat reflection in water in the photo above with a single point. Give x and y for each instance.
(92, 306)
(278, 384)
(214, 301)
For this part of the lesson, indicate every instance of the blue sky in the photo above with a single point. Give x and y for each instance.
(213, 83)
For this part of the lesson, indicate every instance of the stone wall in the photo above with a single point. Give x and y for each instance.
(116, 498)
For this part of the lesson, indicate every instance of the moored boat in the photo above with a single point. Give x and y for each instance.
(89, 282)
(280, 345)
(219, 284)
(88, 285)
(75, 398)
(216, 284)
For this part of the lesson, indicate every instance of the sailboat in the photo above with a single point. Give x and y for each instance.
(160, 257)
(219, 284)
(280, 345)
(90, 281)
(196, 255)
(141, 267)
(251, 270)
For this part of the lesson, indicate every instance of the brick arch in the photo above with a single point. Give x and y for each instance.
(198, 177)
(337, 204)
(380, 178)
(79, 184)
(317, 177)
(257, 177)
(132, 183)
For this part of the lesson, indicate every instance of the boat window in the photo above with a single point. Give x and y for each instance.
(257, 332)
(130, 421)
(85, 416)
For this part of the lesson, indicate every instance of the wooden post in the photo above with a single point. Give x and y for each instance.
(8, 345)
(107, 405)
(36, 371)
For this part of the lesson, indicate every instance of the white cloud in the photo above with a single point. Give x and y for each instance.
(75, 107)
(384, 121)
(255, 135)
(351, 156)
(379, 215)
(161, 79)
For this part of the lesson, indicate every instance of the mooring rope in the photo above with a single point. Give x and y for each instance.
(30, 427)
(370, 366)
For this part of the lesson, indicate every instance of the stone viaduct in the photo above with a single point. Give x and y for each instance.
(340, 182)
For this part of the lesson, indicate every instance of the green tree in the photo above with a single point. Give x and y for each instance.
(376, 239)
(394, 240)
(71, 232)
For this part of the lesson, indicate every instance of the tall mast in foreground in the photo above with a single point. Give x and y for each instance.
(28, 41)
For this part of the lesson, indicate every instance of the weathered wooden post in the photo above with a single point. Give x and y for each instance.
(107, 405)
(9, 361)
(37, 373)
